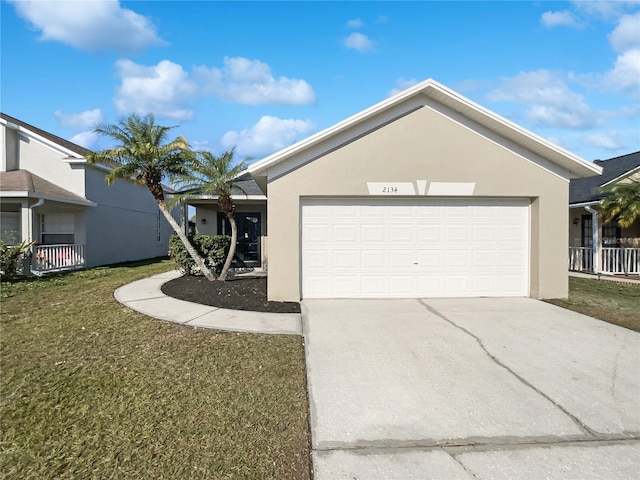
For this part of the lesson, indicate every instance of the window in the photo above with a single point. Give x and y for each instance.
(57, 228)
(611, 234)
(587, 231)
(10, 228)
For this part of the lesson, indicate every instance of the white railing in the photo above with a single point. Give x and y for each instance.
(618, 260)
(56, 258)
(621, 260)
(581, 259)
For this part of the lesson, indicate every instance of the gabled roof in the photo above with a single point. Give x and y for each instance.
(81, 152)
(23, 183)
(575, 165)
(583, 190)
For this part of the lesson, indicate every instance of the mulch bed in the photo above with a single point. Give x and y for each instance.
(239, 293)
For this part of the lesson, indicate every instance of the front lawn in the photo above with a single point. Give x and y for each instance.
(91, 389)
(612, 302)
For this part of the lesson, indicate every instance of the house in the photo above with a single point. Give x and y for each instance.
(598, 247)
(52, 195)
(425, 194)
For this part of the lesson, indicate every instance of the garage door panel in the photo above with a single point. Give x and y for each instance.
(456, 233)
(400, 258)
(345, 258)
(375, 248)
(372, 259)
(402, 285)
(317, 234)
(344, 234)
(373, 233)
(401, 233)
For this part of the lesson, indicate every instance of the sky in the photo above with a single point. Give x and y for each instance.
(259, 76)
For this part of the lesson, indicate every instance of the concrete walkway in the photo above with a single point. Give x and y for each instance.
(145, 296)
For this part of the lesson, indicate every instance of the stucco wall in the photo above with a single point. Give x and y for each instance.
(48, 164)
(123, 226)
(425, 145)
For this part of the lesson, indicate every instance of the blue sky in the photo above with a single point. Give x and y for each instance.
(262, 75)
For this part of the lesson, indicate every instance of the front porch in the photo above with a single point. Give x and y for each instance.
(47, 259)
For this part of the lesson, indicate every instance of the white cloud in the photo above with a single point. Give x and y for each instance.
(163, 89)
(402, 84)
(355, 23)
(626, 35)
(86, 139)
(554, 19)
(80, 121)
(625, 75)
(270, 134)
(607, 141)
(251, 82)
(551, 103)
(95, 25)
(605, 9)
(358, 41)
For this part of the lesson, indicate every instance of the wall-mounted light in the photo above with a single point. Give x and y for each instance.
(203, 221)
(575, 221)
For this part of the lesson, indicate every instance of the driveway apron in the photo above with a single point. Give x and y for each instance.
(470, 388)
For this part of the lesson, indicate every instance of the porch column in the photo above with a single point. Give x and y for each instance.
(596, 238)
(185, 217)
(26, 222)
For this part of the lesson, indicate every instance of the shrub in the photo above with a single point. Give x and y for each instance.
(11, 258)
(213, 249)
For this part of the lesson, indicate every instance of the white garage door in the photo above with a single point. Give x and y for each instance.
(361, 248)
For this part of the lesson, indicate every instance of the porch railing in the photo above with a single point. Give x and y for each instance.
(56, 258)
(621, 260)
(581, 259)
(618, 260)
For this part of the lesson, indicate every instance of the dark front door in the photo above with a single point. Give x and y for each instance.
(249, 232)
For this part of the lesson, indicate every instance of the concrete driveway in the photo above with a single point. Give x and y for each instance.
(470, 389)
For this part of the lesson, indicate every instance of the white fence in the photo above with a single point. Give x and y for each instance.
(57, 258)
(619, 260)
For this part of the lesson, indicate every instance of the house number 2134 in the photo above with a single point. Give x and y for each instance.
(389, 189)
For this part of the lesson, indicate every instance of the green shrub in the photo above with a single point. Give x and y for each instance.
(11, 258)
(213, 249)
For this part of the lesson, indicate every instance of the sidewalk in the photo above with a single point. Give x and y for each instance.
(145, 296)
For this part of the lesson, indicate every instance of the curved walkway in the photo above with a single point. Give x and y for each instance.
(145, 296)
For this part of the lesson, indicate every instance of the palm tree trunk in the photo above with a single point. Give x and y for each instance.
(183, 237)
(232, 248)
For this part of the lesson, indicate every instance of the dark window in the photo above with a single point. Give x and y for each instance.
(610, 234)
(58, 238)
(587, 231)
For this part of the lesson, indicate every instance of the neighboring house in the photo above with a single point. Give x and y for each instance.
(425, 194)
(52, 195)
(597, 247)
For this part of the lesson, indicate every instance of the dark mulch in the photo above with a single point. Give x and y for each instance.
(240, 293)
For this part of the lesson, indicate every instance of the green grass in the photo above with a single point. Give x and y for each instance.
(91, 389)
(613, 302)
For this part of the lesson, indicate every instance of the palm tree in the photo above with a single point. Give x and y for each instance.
(622, 203)
(144, 155)
(213, 175)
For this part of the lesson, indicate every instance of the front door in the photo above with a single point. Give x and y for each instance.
(249, 232)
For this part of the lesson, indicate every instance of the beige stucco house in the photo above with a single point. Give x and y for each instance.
(425, 194)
